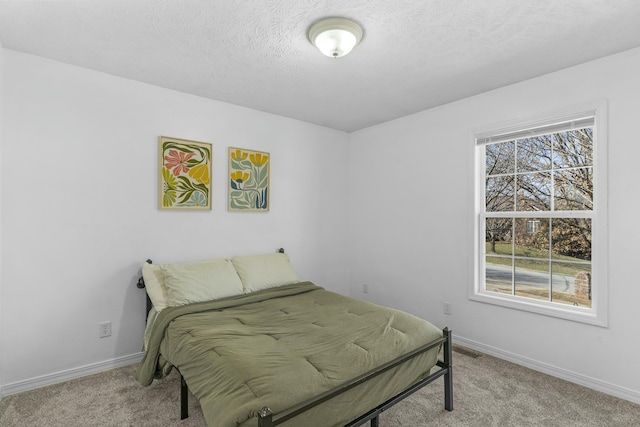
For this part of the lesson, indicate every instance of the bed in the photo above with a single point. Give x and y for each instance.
(274, 350)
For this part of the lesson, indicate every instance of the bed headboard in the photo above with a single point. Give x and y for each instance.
(140, 285)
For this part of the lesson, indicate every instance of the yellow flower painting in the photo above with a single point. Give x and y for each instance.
(248, 180)
(185, 174)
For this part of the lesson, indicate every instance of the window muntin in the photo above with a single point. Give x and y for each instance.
(548, 172)
(537, 214)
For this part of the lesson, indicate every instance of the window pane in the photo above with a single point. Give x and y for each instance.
(499, 274)
(571, 239)
(534, 154)
(498, 232)
(573, 148)
(573, 189)
(533, 192)
(500, 158)
(532, 278)
(571, 283)
(532, 237)
(499, 194)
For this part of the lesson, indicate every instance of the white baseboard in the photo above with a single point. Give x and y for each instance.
(70, 374)
(593, 383)
(574, 377)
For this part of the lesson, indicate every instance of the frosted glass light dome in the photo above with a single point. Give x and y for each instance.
(335, 37)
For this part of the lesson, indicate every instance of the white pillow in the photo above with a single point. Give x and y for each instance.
(264, 271)
(154, 284)
(201, 281)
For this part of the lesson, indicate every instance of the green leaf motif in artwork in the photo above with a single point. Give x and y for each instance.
(169, 180)
(185, 184)
(203, 188)
(168, 198)
(235, 165)
(185, 196)
(263, 176)
(239, 204)
(192, 162)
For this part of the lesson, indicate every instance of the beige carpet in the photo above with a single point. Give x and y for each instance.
(487, 392)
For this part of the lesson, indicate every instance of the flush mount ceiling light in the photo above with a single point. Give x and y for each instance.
(335, 37)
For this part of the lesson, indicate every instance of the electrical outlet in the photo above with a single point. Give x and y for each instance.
(365, 288)
(447, 307)
(104, 329)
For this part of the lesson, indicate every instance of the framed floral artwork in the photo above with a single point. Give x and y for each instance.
(185, 174)
(248, 180)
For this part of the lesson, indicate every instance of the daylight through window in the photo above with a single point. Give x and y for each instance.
(537, 213)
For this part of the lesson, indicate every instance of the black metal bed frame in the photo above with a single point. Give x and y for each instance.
(266, 418)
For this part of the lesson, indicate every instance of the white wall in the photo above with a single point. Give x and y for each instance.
(1, 145)
(411, 227)
(79, 198)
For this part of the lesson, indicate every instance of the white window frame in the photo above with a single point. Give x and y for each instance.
(597, 314)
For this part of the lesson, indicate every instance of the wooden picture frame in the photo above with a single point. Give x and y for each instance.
(184, 174)
(249, 180)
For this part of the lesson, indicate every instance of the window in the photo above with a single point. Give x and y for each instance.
(533, 225)
(540, 217)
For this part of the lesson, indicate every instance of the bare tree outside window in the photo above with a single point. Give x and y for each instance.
(538, 200)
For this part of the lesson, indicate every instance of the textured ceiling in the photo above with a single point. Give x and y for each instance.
(255, 53)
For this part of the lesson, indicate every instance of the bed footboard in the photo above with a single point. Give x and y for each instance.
(266, 418)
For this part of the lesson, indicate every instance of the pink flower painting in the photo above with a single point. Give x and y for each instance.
(185, 174)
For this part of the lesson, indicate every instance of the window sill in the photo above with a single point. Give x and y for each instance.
(576, 314)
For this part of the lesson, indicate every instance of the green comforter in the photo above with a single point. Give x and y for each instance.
(281, 346)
